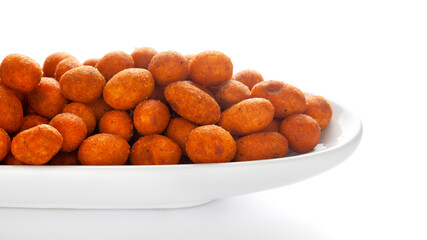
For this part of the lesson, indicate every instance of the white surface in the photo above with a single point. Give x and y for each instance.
(368, 55)
(174, 186)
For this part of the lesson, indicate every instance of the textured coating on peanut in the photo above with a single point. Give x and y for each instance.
(319, 109)
(37, 145)
(301, 131)
(263, 145)
(210, 144)
(155, 150)
(286, 99)
(20, 72)
(248, 116)
(192, 103)
(128, 88)
(104, 149)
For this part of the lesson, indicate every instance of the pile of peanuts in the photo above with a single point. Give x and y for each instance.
(150, 108)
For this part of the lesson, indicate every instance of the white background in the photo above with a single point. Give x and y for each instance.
(368, 55)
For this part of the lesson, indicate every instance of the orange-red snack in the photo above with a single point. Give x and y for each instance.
(201, 87)
(51, 61)
(192, 103)
(65, 65)
(32, 121)
(301, 131)
(210, 144)
(319, 109)
(82, 84)
(36, 145)
(4, 144)
(231, 92)
(91, 62)
(248, 116)
(158, 94)
(167, 67)
(117, 122)
(211, 68)
(22, 96)
(84, 112)
(11, 113)
(248, 77)
(28, 110)
(286, 99)
(155, 150)
(99, 107)
(104, 149)
(189, 57)
(65, 158)
(47, 99)
(262, 145)
(72, 129)
(11, 160)
(128, 88)
(20, 72)
(114, 62)
(178, 130)
(151, 116)
(142, 56)
(274, 126)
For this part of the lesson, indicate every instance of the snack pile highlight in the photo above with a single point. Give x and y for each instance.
(150, 108)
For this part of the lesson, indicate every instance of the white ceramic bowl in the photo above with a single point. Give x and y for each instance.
(173, 186)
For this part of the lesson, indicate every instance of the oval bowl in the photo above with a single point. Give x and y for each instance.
(174, 186)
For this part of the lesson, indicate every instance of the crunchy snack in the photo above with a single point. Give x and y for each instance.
(47, 99)
(22, 96)
(262, 145)
(72, 129)
(248, 77)
(168, 67)
(99, 107)
(189, 57)
(4, 144)
(286, 99)
(117, 122)
(20, 72)
(203, 72)
(155, 150)
(151, 116)
(83, 84)
(274, 126)
(11, 160)
(84, 112)
(159, 94)
(104, 149)
(142, 56)
(65, 65)
(192, 103)
(301, 131)
(210, 144)
(91, 62)
(65, 158)
(11, 113)
(49, 66)
(32, 121)
(248, 116)
(37, 145)
(231, 92)
(319, 109)
(128, 88)
(178, 130)
(114, 62)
